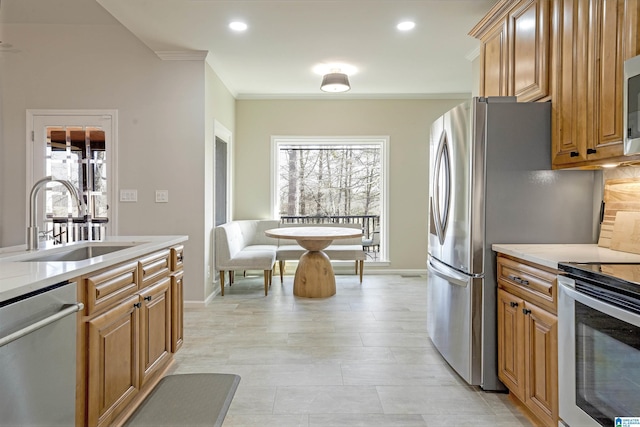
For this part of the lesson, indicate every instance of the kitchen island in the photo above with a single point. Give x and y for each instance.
(19, 276)
(130, 324)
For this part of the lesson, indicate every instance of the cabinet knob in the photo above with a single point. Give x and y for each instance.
(147, 298)
(137, 304)
(513, 304)
(525, 311)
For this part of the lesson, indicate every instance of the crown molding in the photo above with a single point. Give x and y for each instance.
(182, 55)
(352, 96)
(472, 54)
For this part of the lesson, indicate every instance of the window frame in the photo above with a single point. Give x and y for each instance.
(381, 141)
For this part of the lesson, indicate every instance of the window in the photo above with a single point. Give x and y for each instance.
(334, 180)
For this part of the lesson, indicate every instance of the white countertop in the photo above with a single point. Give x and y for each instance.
(550, 255)
(19, 277)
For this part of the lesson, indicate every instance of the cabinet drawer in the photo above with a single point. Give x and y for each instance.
(177, 256)
(111, 286)
(154, 267)
(531, 282)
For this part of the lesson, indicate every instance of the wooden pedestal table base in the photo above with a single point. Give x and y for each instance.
(314, 275)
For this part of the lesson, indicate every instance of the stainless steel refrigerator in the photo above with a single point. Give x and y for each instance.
(490, 182)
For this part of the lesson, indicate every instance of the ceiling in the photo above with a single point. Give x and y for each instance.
(285, 39)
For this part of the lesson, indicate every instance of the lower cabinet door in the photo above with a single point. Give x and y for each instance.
(511, 357)
(113, 374)
(541, 347)
(155, 331)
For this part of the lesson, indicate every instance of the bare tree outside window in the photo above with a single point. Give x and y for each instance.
(333, 180)
(329, 181)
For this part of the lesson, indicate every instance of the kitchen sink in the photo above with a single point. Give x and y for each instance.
(76, 254)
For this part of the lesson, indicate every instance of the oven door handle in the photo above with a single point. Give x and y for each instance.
(603, 307)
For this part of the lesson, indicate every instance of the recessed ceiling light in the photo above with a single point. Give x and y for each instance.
(238, 26)
(406, 25)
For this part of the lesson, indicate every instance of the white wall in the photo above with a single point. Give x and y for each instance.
(164, 125)
(406, 122)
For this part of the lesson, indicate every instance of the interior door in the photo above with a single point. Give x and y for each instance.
(78, 146)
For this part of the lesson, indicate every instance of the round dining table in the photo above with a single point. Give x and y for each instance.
(314, 276)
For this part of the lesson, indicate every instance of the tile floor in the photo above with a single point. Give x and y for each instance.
(359, 358)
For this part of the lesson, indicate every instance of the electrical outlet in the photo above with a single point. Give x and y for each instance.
(128, 195)
(162, 196)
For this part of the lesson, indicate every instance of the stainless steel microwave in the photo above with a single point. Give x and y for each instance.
(631, 113)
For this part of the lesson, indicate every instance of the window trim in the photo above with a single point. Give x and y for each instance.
(382, 141)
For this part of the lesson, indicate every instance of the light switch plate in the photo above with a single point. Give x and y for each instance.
(128, 195)
(162, 196)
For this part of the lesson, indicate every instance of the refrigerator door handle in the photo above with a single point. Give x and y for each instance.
(443, 158)
(449, 274)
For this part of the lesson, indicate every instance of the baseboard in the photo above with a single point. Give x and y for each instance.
(368, 270)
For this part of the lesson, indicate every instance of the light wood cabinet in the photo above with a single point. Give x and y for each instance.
(528, 36)
(511, 356)
(590, 39)
(177, 310)
(177, 297)
(494, 57)
(541, 363)
(528, 336)
(127, 334)
(155, 328)
(514, 50)
(569, 52)
(112, 355)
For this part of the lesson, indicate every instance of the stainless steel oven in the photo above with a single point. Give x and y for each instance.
(599, 343)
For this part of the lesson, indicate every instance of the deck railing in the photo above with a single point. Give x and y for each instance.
(368, 222)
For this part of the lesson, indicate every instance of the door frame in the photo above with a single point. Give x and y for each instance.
(32, 114)
(221, 132)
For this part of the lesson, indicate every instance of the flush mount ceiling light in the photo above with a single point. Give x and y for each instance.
(335, 82)
(238, 26)
(406, 26)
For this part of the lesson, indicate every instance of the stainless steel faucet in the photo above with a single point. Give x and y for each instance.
(32, 230)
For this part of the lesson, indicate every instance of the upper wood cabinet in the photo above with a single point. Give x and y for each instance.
(514, 50)
(591, 40)
(570, 52)
(494, 53)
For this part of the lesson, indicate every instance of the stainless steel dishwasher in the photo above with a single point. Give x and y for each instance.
(38, 357)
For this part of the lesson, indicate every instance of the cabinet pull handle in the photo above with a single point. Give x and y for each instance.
(137, 304)
(519, 280)
(147, 298)
(180, 257)
(525, 311)
(591, 150)
(574, 154)
(513, 304)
